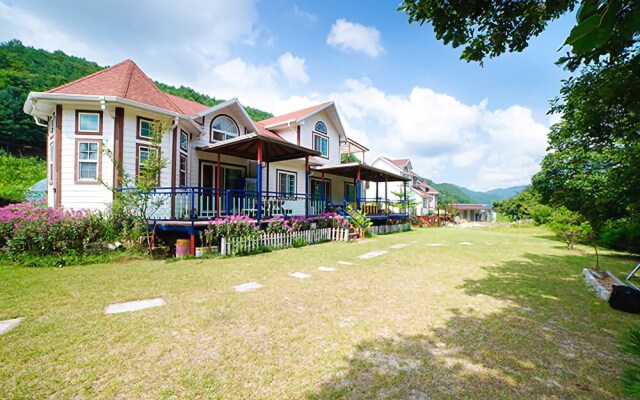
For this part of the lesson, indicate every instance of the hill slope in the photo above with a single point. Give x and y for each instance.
(458, 194)
(25, 69)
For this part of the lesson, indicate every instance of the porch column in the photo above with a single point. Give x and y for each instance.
(357, 189)
(405, 205)
(386, 200)
(306, 186)
(323, 195)
(259, 184)
(218, 174)
(377, 197)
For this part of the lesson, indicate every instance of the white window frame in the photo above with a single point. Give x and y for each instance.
(322, 138)
(182, 171)
(227, 135)
(295, 183)
(80, 114)
(140, 128)
(81, 161)
(185, 135)
(140, 164)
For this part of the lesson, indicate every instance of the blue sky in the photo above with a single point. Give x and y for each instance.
(398, 90)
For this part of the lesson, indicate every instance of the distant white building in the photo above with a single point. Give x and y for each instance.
(416, 190)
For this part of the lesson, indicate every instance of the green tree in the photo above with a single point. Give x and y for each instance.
(489, 28)
(136, 197)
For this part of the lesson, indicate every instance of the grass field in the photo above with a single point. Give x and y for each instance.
(507, 317)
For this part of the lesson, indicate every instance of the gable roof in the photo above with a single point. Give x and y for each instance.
(127, 81)
(401, 163)
(295, 115)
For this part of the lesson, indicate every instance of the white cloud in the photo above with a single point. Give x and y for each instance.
(304, 14)
(349, 36)
(447, 140)
(293, 68)
(163, 42)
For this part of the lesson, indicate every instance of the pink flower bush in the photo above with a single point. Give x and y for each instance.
(34, 228)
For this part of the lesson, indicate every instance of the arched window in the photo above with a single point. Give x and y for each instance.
(223, 128)
(321, 127)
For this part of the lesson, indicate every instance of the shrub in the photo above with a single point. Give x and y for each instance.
(278, 225)
(622, 236)
(299, 242)
(568, 227)
(541, 214)
(233, 226)
(33, 228)
(631, 377)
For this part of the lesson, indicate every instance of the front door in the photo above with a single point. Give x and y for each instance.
(206, 201)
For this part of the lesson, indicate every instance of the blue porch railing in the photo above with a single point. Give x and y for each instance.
(198, 203)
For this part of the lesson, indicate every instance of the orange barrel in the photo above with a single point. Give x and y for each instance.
(183, 247)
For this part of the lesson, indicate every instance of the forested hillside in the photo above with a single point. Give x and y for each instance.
(24, 69)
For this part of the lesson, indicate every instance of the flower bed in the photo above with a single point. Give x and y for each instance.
(33, 228)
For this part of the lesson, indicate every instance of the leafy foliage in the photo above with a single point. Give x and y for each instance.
(17, 174)
(603, 30)
(25, 69)
(631, 379)
(569, 227)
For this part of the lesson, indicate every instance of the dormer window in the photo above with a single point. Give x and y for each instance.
(223, 128)
(321, 127)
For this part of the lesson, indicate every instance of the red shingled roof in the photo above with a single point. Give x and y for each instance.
(399, 163)
(265, 132)
(292, 115)
(126, 80)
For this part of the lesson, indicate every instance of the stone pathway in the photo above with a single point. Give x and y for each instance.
(465, 244)
(300, 275)
(372, 254)
(399, 246)
(247, 287)
(344, 263)
(133, 306)
(326, 269)
(9, 324)
(434, 244)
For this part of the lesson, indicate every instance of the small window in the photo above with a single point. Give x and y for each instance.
(145, 128)
(88, 122)
(143, 156)
(321, 127)
(287, 183)
(321, 144)
(184, 141)
(350, 192)
(183, 170)
(88, 161)
(223, 128)
(51, 158)
(52, 125)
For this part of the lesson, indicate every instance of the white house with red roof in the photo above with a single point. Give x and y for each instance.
(220, 161)
(415, 188)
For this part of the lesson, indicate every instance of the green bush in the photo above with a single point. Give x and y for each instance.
(299, 242)
(541, 214)
(17, 174)
(622, 236)
(569, 227)
(631, 377)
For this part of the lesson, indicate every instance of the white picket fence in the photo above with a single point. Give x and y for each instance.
(235, 245)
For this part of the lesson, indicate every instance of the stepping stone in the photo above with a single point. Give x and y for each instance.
(134, 306)
(434, 244)
(326, 269)
(9, 324)
(465, 244)
(344, 263)
(372, 254)
(247, 287)
(399, 246)
(300, 275)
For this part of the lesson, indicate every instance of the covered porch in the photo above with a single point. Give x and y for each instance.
(378, 208)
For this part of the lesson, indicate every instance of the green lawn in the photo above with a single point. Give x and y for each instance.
(513, 319)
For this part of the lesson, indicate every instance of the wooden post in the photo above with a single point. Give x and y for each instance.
(357, 189)
(218, 174)
(193, 244)
(306, 186)
(386, 195)
(259, 184)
